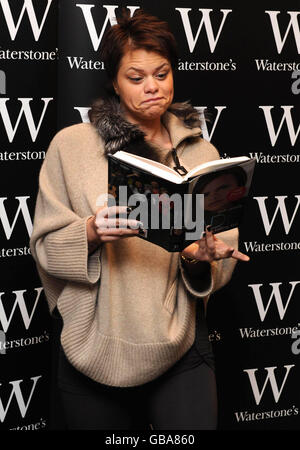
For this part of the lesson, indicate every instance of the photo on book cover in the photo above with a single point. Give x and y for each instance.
(216, 198)
(225, 194)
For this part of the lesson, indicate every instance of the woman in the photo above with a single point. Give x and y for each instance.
(131, 353)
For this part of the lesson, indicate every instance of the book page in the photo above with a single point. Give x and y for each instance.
(215, 165)
(150, 166)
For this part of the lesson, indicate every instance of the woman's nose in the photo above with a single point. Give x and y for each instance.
(151, 85)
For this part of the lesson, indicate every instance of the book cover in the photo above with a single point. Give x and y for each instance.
(175, 209)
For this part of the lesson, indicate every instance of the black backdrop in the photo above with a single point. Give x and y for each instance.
(239, 63)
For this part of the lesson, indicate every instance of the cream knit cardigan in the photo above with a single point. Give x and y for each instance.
(128, 309)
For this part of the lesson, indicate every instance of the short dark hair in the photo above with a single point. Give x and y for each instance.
(141, 31)
(237, 172)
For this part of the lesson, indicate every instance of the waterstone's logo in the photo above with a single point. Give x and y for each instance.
(10, 220)
(22, 210)
(18, 303)
(263, 384)
(21, 306)
(287, 210)
(268, 298)
(292, 25)
(96, 33)
(25, 110)
(17, 396)
(109, 19)
(206, 23)
(14, 25)
(202, 110)
(270, 378)
(285, 118)
(17, 20)
(286, 34)
(212, 26)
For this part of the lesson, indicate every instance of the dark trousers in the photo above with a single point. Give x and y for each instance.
(184, 401)
(183, 398)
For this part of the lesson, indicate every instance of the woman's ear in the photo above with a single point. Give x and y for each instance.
(115, 87)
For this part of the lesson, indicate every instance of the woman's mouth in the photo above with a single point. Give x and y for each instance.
(152, 100)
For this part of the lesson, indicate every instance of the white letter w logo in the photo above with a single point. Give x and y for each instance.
(293, 23)
(26, 110)
(268, 224)
(212, 40)
(286, 117)
(23, 207)
(274, 294)
(270, 378)
(5, 321)
(110, 18)
(28, 7)
(16, 391)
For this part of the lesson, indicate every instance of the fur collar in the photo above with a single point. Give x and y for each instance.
(117, 133)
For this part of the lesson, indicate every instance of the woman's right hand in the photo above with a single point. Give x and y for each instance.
(106, 227)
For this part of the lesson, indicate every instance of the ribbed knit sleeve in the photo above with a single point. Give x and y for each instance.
(197, 287)
(59, 241)
(64, 254)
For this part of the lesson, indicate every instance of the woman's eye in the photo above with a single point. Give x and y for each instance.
(161, 75)
(135, 79)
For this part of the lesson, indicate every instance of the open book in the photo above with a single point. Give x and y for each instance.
(174, 208)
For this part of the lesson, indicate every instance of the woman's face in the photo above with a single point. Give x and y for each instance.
(217, 193)
(145, 85)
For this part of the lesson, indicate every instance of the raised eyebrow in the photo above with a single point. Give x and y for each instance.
(142, 71)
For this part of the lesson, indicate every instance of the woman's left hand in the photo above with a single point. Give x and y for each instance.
(209, 248)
